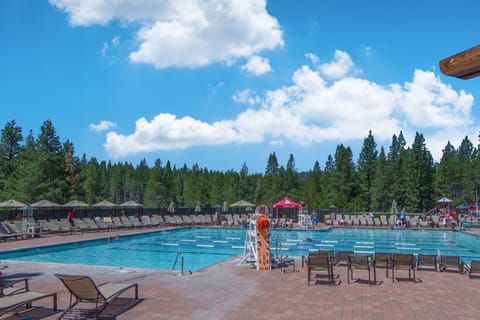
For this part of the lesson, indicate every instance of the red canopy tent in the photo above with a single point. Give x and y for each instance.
(286, 203)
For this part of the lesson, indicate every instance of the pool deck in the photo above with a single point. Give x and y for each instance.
(228, 290)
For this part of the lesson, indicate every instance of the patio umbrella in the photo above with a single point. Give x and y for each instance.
(104, 204)
(130, 204)
(242, 203)
(11, 204)
(76, 204)
(444, 200)
(45, 204)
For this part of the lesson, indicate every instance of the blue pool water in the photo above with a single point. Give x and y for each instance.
(202, 247)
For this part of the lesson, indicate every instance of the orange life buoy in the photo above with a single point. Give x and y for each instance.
(262, 222)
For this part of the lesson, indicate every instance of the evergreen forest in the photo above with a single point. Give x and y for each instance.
(37, 166)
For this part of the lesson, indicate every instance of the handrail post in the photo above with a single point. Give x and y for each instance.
(176, 259)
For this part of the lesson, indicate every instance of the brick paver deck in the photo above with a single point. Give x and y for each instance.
(229, 291)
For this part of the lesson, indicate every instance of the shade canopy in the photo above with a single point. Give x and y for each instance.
(11, 204)
(444, 199)
(130, 204)
(45, 204)
(104, 204)
(286, 203)
(75, 204)
(242, 203)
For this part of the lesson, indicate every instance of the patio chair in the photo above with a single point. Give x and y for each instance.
(84, 290)
(403, 261)
(341, 257)
(11, 302)
(383, 260)
(319, 263)
(473, 269)
(427, 261)
(453, 263)
(361, 263)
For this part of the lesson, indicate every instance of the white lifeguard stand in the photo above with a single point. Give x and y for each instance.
(28, 222)
(304, 219)
(250, 253)
(250, 250)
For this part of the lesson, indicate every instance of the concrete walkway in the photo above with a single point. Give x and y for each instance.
(229, 291)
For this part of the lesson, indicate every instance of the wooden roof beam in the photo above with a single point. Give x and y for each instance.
(463, 65)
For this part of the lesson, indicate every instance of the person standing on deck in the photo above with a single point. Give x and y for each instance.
(403, 215)
(70, 216)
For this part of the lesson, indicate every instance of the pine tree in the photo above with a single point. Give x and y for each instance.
(422, 174)
(10, 149)
(381, 196)
(366, 169)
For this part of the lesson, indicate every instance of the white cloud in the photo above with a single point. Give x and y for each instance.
(314, 110)
(257, 65)
(116, 41)
(313, 58)
(185, 33)
(102, 126)
(104, 49)
(341, 66)
(247, 97)
(166, 132)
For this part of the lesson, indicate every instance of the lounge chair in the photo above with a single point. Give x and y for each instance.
(82, 226)
(427, 261)
(9, 303)
(361, 263)
(320, 263)
(6, 233)
(473, 269)
(451, 263)
(84, 290)
(403, 261)
(9, 287)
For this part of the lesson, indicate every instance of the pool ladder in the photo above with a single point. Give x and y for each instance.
(179, 254)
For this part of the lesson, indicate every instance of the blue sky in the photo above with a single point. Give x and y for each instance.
(221, 83)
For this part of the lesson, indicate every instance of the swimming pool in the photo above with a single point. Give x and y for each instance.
(202, 247)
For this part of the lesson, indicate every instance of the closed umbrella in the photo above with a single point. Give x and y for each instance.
(171, 207)
(198, 206)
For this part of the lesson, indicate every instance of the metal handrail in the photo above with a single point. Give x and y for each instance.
(179, 254)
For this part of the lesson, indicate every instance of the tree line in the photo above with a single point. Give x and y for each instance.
(35, 167)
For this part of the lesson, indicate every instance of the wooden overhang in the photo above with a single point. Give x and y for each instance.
(463, 65)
